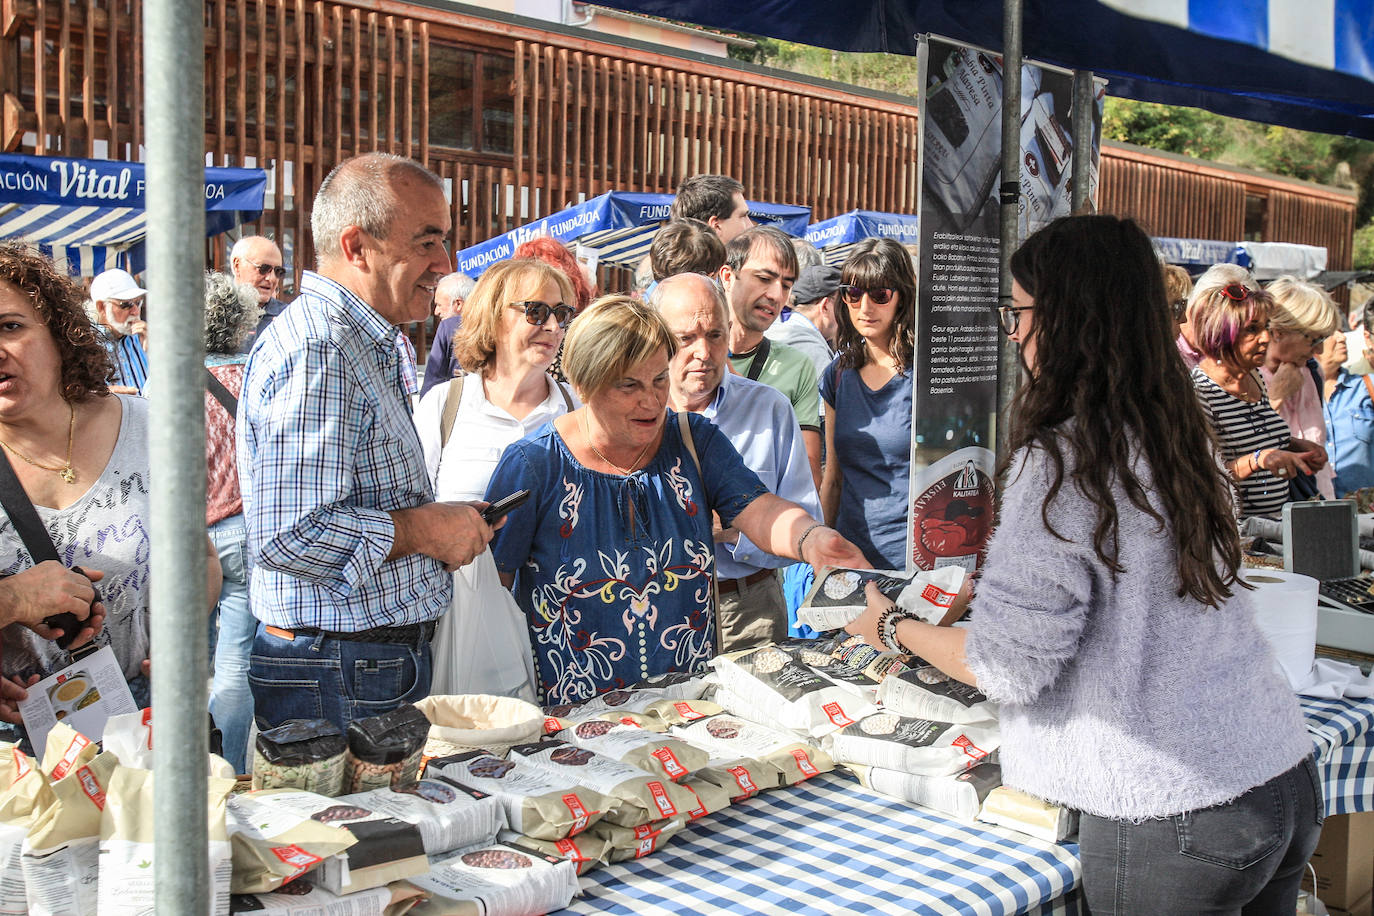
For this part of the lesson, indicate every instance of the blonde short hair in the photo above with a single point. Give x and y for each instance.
(1302, 307)
(1177, 284)
(612, 335)
(502, 283)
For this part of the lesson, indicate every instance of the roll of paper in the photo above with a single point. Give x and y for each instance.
(1286, 611)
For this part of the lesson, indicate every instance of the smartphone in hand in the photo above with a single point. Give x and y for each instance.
(494, 512)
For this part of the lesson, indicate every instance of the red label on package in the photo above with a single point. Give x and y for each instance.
(671, 766)
(969, 747)
(626, 720)
(552, 725)
(835, 714)
(297, 858)
(91, 787)
(579, 813)
(807, 767)
(78, 744)
(746, 785)
(687, 712)
(937, 596)
(569, 849)
(666, 808)
(700, 809)
(645, 847)
(148, 724)
(22, 764)
(645, 831)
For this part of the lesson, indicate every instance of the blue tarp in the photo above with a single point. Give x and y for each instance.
(90, 212)
(1200, 252)
(1305, 65)
(837, 235)
(618, 225)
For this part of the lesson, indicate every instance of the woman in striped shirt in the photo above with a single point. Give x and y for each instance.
(1231, 328)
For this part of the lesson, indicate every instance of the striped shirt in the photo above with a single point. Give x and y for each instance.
(326, 447)
(1242, 427)
(129, 358)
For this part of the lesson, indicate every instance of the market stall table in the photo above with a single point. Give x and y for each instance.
(1340, 731)
(830, 846)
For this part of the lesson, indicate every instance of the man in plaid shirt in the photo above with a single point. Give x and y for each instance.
(351, 554)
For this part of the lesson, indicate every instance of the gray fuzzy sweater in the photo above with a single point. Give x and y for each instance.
(1119, 698)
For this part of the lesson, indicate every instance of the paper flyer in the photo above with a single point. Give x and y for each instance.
(84, 695)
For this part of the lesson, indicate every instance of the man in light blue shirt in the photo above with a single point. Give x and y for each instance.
(759, 421)
(351, 555)
(118, 304)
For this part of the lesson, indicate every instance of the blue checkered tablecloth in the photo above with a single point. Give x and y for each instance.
(1341, 733)
(829, 846)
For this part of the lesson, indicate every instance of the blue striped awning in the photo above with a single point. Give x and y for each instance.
(837, 236)
(618, 226)
(89, 213)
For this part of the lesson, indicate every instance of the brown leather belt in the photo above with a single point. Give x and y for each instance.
(730, 586)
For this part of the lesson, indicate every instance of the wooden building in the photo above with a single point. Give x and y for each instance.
(523, 118)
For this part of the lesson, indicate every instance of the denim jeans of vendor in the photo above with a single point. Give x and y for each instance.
(318, 677)
(231, 700)
(1243, 857)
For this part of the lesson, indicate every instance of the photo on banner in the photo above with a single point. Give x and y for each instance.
(954, 410)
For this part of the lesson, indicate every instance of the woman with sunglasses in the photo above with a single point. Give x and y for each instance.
(1230, 324)
(1303, 318)
(1109, 622)
(867, 392)
(513, 325)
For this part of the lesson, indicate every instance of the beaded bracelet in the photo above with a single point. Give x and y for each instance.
(887, 627)
(802, 540)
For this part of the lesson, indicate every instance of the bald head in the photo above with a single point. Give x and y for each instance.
(364, 191)
(694, 309)
(256, 260)
(694, 288)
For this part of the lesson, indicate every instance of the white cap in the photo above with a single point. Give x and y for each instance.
(115, 284)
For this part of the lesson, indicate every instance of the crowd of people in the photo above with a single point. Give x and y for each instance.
(687, 451)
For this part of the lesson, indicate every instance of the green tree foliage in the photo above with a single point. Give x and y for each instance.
(1189, 131)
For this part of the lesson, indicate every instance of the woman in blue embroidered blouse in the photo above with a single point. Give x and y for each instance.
(612, 555)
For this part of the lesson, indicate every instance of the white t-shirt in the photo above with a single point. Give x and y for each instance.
(481, 433)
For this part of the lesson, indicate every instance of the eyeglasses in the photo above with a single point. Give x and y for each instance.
(853, 295)
(1010, 316)
(1237, 292)
(127, 305)
(1180, 307)
(1315, 340)
(265, 269)
(537, 313)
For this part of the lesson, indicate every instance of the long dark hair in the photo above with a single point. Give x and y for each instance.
(879, 263)
(1106, 359)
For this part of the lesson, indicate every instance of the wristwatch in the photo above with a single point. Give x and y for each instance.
(887, 627)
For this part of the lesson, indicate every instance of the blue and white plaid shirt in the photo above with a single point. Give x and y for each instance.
(326, 447)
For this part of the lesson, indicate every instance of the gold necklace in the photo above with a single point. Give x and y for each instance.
(587, 429)
(65, 471)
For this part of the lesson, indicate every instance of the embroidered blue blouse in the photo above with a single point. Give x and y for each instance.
(614, 573)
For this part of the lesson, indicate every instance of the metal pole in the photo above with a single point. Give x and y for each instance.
(1082, 140)
(1008, 358)
(174, 49)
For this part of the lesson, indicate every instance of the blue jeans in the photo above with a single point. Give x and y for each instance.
(316, 677)
(231, 701)
(1243, 857)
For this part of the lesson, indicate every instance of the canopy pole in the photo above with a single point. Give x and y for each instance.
(1083, 91)
(1008, 354)
(174, 48)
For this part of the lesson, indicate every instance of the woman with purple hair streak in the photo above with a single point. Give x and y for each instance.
(1230, 325)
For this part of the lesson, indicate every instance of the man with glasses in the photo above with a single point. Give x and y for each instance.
(256, 261)
(760, 268)
(118, 302)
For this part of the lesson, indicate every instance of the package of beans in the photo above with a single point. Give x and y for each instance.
(925, 692)
(539, 803)
(585, 851)
(384, 751)
(639, 747)
(448, 817)
(778, 688)
(894, 742)
(641, 796)
(710, 796)
(305, 754)
(747, 757)
(627, 843)
(496, 880)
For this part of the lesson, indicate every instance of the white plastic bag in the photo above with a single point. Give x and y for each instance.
(482, 645)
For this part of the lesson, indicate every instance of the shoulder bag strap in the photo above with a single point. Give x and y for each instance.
(686, 428)
(23, 515)
(567, 399)
(760, 357)
(221, 393)
(451, 401)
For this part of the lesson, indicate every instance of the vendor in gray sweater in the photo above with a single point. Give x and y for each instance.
(1109, 621)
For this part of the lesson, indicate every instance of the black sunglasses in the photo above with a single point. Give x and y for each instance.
(265, 269)
(853, 295)
(1010, 316)
(537, 313)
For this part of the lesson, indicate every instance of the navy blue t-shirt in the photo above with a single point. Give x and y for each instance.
(873, 448)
